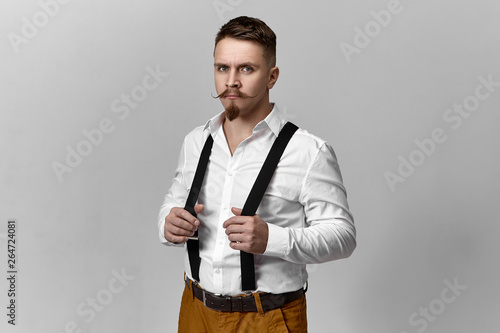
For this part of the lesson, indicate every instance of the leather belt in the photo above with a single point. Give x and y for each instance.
(244, 303)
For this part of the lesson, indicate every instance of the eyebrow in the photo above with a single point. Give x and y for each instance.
(251, 64)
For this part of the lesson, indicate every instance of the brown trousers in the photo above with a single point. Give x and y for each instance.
(194, 317)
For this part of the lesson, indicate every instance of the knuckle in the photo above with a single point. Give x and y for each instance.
(173, 230)
(189, 226)
(170, 237)
(181, 223)
(168, 227)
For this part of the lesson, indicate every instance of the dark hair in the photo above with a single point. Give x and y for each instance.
(252, 29)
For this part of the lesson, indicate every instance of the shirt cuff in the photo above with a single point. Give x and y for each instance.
(277, 241)
(161, 231)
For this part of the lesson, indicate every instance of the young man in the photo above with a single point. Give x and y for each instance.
(303, 217)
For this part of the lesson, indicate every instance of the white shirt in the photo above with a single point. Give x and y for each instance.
(305, 206)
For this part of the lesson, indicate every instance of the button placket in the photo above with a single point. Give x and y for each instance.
(224, 258)
(225, 213)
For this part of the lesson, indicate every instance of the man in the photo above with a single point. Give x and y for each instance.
(302, 219)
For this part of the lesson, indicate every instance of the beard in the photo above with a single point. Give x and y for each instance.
(232, 111)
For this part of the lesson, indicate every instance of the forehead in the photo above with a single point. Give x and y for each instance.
(230, 50)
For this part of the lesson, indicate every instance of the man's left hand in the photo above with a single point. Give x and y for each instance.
(246, 233)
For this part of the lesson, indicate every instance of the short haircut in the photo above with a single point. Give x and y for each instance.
(252, 29)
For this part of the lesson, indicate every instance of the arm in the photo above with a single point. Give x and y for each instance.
(174, 223)
(330, 233)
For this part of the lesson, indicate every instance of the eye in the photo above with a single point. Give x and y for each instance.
(247, 69)
(222, 69)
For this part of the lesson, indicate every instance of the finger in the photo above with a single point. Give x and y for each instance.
(239, 246)
(235, 229)
(186, 216)
(234, 220)
(236, 211)
(177, 231)
(175, 239)
(199, 208)
(181, 222)
(177, 225)
(236, 237)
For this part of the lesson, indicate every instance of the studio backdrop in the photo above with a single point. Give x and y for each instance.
(97, 96)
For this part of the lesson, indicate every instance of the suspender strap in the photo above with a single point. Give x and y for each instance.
(250, 207)
(193, 245)
(255, 197)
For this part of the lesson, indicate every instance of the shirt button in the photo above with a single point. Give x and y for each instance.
(217, 271)
(230, 173)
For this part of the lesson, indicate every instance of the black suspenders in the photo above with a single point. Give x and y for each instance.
(194, 245)
(250, 207)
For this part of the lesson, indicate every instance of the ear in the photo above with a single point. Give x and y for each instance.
(274, 72)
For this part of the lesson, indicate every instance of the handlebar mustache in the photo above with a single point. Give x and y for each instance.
(236, 92)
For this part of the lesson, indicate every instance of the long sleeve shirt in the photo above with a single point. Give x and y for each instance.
(305, 206)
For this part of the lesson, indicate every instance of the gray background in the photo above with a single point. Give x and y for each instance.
(440, 224)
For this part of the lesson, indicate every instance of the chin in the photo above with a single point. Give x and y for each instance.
(232, 111)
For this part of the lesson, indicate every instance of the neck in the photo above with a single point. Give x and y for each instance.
(242, 127)
(245, 123)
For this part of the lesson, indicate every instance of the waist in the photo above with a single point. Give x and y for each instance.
(243, 303)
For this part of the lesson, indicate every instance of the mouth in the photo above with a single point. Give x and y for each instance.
(232, 96)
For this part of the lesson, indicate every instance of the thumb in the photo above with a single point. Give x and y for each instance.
(199, 208)
(236, 211)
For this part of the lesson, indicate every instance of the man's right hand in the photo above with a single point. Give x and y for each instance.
(180, 224)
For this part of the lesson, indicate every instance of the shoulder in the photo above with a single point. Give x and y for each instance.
(195, 134)
(198, 135)
(304, 140)
(309, 148)
(303, 137)
(195, 139)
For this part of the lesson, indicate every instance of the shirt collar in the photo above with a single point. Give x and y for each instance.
(274, 121)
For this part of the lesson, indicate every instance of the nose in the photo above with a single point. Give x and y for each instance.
(233, 80)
